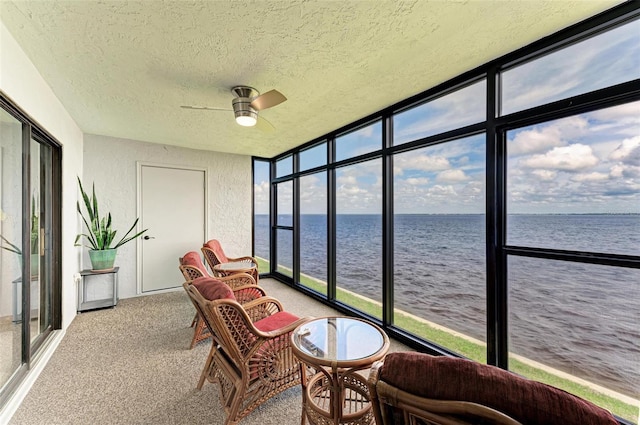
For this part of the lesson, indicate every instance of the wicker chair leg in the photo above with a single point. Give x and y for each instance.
(206, 372)
(234, 408)
(195, 320)
(200, 332)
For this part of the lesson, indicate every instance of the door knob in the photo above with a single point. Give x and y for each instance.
(147, 237)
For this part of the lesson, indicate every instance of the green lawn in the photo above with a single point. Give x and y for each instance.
(471, 349)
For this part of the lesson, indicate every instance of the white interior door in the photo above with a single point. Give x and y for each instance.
(173, 208)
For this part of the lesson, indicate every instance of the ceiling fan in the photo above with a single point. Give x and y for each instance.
(246, 103)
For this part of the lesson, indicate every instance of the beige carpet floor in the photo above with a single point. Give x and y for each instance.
(132, 365)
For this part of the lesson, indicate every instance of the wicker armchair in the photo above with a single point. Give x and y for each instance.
(254, 361)
(214, 255)
(192, 268)
(415, 388)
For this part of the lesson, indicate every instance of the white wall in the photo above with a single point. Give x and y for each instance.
(23, 84)
(110, 163)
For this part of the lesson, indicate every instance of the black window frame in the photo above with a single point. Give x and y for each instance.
(495, 127)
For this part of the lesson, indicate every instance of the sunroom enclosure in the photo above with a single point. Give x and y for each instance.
(495, 217)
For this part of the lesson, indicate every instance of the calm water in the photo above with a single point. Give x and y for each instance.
(580, 318)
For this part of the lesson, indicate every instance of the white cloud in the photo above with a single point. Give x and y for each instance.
(628, 113)
(261, 197)
(423, 162)
(545, 175)
(625, 171)
(628, 151)
(347, 179)
(540, 138)
(462, 161)
(417, 181)
(567, 158)
(440, 191)
(349, 190)
(590, 177)
(451, 176)
(260, 188)
(366, 132)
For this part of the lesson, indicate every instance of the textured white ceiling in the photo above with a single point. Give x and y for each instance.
(123, 68)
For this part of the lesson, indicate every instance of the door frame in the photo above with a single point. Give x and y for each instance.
(139, 166)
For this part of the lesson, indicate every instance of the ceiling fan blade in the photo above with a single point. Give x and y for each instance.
(205, 108)
(264, 125)
(268, 100)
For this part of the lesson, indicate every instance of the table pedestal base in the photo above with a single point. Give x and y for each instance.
(336, 400)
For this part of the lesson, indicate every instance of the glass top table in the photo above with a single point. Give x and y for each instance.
(339, 339)
(331, 350)
(234, 266)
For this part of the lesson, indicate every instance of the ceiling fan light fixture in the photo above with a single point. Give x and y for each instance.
(245, 115)
(246, 120)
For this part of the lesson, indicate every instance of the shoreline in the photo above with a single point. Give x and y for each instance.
(553, 371)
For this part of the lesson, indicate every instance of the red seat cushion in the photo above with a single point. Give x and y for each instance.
(527, 401)
(275, 321)
(213, 289)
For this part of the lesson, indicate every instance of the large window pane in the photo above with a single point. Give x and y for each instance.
(313, 157)
(573, 183)
(284, 195)
(439, 245)
(458, 109)
(313, 231)
(359, 236)
(570, 321)
(261, 230)
(11, 253)
(364, 140)
(284, 167)
(595, 63)
(284, 251)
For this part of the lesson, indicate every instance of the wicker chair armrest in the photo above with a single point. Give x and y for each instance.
(374, 373)
(245, 259)
(237, 280)
(262, 307)
(247, 293)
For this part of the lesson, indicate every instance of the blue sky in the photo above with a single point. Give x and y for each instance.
(580, 164)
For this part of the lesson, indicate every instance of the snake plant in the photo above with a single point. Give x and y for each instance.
(100, 234)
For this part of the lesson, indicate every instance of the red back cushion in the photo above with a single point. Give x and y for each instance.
(215, 246)
(527, 401)
(213, 289)
(193, 259)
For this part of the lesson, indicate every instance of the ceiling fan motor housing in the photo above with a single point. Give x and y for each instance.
(242, 103)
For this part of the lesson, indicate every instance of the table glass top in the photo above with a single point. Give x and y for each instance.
(338, 338)
(237, 265)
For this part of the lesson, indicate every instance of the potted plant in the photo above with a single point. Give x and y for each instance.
(100, 237)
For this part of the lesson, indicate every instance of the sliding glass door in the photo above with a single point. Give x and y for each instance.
(30, 233)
